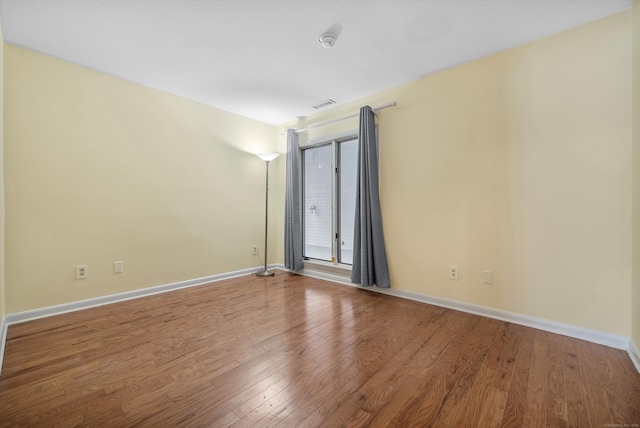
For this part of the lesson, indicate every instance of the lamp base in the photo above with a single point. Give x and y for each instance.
(264, 273)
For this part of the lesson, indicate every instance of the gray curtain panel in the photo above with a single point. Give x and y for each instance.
(369, 254)
(292, 215)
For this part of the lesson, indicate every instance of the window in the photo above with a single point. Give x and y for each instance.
(329, 181)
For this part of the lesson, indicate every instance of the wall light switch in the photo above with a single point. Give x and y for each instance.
(118, 267)
(487, 277)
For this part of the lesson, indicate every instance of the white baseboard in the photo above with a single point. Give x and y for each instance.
(634, 354)
(113, 298)
(595, 336)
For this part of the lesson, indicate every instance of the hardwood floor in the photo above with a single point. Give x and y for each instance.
(294, 351)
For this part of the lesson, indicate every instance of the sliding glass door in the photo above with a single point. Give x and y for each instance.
(318, 204)
(347, 171)
(329, 189)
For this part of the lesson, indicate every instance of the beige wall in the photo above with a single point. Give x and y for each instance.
(517, 163)
(2, 293)
(635, 311)
(99, 169)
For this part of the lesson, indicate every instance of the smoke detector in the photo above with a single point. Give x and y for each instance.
(327, 40)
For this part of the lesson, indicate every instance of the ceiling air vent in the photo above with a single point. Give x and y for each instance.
(324, 104)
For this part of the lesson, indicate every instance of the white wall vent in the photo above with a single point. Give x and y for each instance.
(324, 104)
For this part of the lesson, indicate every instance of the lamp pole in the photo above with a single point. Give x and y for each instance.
(267, 158)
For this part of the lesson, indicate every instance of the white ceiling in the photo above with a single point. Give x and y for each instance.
(262, 58)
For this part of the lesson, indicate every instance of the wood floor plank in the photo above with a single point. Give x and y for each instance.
(535, 414)
(458, 398)
(598, 404)
(555, 400)
(374, 393)
(291, 396)
(297, 351)
(629, 382)
(612, 388)
(512, 339)
(577, 413)
(516, 405)
(447, 357)
(483, 404)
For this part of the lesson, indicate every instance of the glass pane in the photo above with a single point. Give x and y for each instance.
(317, 202)
(348, 171)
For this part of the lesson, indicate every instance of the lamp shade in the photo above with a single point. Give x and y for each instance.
(267, 157)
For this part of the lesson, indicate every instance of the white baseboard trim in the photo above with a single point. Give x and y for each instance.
(33, 314)
(595, 336)
(634, 354)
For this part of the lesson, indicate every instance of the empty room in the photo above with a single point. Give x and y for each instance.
(315, 213)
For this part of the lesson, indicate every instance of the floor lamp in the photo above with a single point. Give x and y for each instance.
(266, 157)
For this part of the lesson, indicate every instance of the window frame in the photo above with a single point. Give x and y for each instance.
(333, 141)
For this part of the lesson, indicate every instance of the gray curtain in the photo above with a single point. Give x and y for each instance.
(292, 215)
(369, 254)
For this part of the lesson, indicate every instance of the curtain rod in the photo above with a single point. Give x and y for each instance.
(329, 122)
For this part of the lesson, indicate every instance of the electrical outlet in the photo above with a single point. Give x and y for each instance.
(118, 267)
(453, 272)
(82, 271)
(487, 277)
(254, 249)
